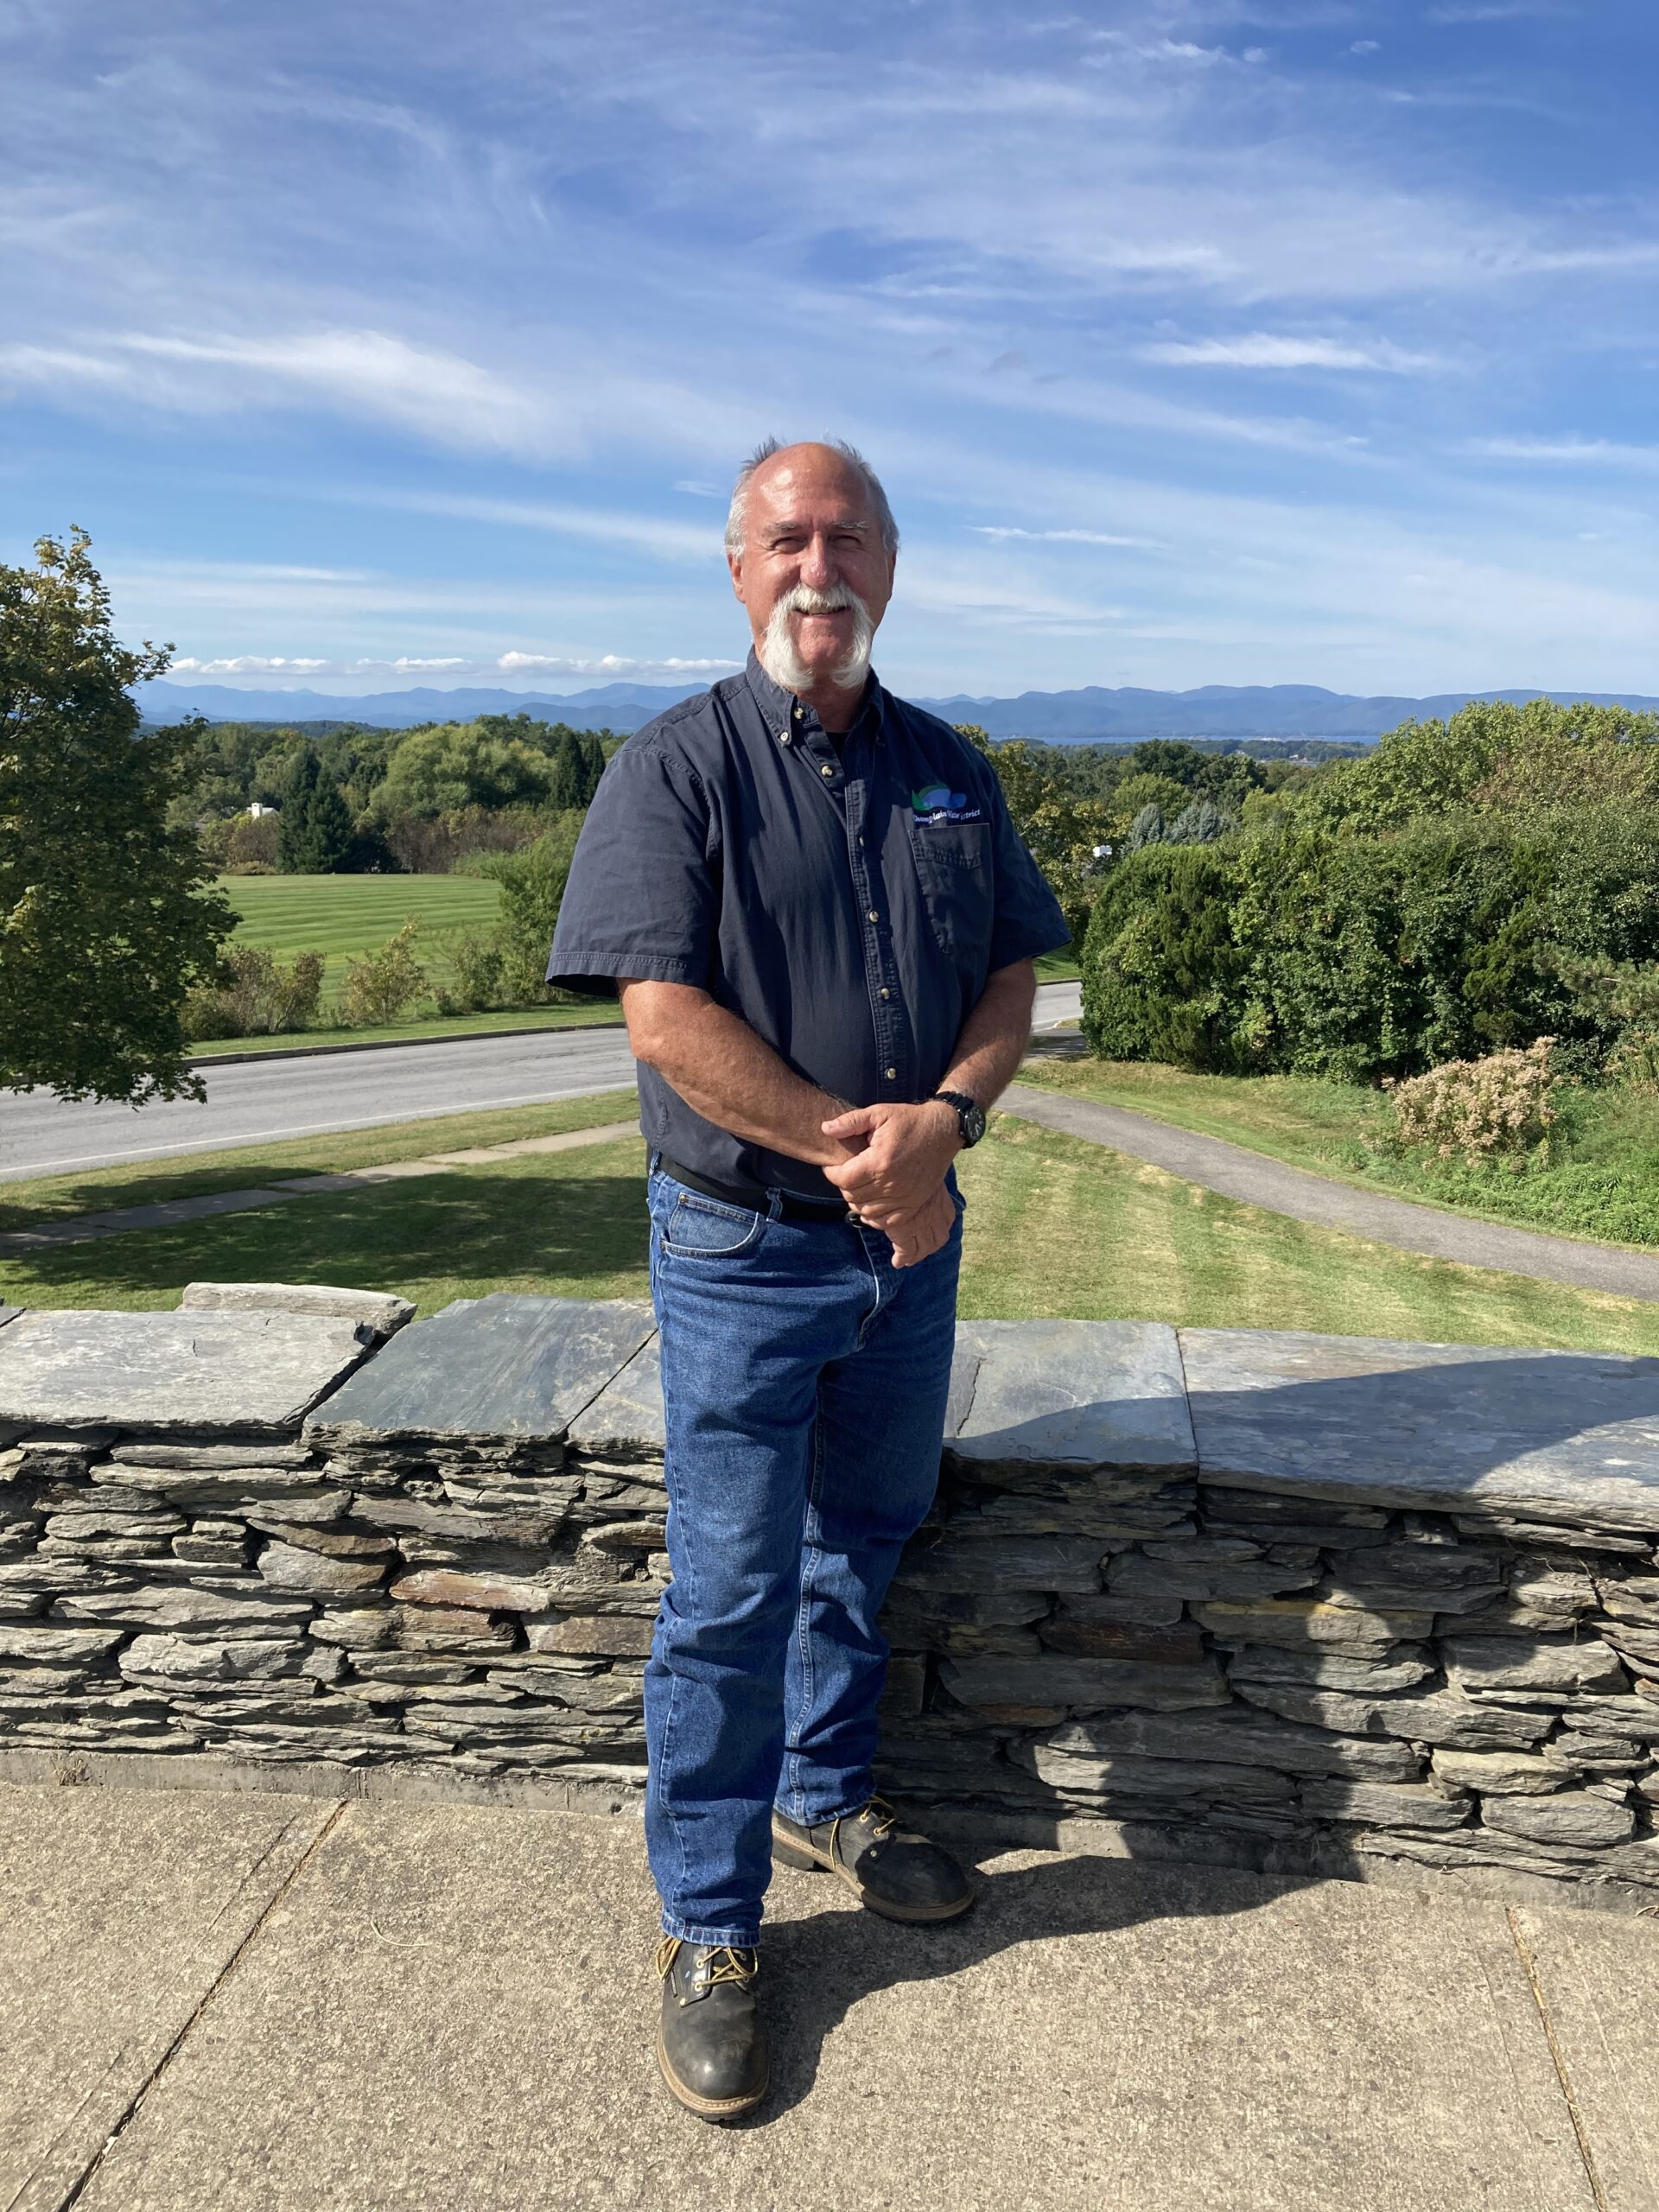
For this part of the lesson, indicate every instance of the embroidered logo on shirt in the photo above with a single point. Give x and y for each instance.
(938, 802)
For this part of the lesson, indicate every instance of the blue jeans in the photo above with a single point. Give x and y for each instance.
(804, 1381)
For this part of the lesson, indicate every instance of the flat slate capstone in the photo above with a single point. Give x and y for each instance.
(1540, 1435)
(1068, 1394)
(192, 1372)
(505, 1366)
(625, 1422)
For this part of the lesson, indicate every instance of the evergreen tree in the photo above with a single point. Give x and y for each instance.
(328, 839)
(567, 781)
(593, 765)
(106, 921)
(294, 834)
(1199, 824)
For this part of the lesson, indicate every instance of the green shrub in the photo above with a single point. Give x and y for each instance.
(1162, 975)
(1313, 951)
(533, 887)
(254, 995)
(477, 979)
(384, 984)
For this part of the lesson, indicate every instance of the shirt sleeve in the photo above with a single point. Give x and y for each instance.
(1027, 921)
(642, 901)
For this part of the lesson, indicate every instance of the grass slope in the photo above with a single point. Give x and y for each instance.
(1056, 1226)
(344, 916)
(1604, 1184)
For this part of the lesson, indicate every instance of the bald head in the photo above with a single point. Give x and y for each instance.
(815, 453)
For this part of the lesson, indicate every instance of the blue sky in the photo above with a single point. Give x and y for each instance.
(1197, 341)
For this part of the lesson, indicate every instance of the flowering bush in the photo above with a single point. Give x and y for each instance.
(1499, 1108)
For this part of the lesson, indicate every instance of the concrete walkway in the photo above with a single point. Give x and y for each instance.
(1251, 1177)
(230, 2002)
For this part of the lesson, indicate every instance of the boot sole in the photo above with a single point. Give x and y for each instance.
(808, 1862)
(707, 2107)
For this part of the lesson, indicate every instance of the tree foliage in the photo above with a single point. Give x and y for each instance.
(1063, 827)
(105, 925)
(1467, 888)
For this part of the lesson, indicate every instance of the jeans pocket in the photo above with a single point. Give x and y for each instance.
(696, 1228)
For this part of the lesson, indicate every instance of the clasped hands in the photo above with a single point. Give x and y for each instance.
(894, 1176)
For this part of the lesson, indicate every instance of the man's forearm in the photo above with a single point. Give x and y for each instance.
(731, 1077)
(996, 1035)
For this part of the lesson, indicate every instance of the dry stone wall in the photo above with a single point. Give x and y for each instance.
(1302, 1604)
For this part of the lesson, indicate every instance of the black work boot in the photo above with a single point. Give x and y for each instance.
(891, 1870)
(711, 2042)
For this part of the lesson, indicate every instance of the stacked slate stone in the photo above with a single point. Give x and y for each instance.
(144, 1458)
(510, 1631)
(424, 1579)
(1303, 1604)
(1409, 1608)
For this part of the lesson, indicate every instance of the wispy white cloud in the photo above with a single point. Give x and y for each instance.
(1263, 350)
(1596, 453)
(1004, 532)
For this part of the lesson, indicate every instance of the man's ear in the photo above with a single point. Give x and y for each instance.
(734, 568)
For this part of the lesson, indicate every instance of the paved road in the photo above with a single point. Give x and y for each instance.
(277, 2002)
(1259, 1181)
(263, 1101)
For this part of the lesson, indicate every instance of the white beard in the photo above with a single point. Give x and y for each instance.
(776, 649)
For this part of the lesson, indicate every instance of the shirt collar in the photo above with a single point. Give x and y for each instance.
(780, 707)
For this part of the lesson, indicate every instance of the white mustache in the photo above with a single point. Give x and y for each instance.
(778, 655)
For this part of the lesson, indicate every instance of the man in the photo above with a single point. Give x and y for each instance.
(822, 924)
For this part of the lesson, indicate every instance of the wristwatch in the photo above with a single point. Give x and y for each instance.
(970, 1116)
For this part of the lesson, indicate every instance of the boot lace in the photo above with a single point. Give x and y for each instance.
(725, 1962)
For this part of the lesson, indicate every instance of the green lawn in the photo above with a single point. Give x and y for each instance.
(343, 916)
(54, 1198)
(1056, 1226)
(1603, 1185)
(337, 914)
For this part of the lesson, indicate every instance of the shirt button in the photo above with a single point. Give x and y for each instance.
(872, 916)
(885, 993)
(782, 737)
(826, 770)
(893, 1075)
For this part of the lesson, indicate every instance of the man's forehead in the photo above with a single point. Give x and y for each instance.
(808, 483)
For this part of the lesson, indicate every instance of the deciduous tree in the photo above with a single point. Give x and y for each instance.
(104, 922)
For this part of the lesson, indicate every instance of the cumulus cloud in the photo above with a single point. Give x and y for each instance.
(250, 664)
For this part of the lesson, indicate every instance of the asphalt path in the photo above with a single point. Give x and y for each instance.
(266, 1101)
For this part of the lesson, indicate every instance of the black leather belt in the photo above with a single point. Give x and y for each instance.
(754, 1195)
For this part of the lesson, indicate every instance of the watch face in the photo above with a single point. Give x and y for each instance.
(973, 1125)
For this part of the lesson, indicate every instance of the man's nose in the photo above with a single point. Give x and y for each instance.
(817, 563)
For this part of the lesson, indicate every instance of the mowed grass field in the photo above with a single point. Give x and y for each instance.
(344, 916)
(1056, 1227)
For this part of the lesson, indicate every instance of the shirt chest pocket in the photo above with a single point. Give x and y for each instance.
(953, 866)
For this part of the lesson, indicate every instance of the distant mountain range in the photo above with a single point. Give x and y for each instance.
(1215, 710)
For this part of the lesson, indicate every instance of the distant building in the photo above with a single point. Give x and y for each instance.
(258, 808)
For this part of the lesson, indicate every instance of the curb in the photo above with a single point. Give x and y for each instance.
(401, 1044)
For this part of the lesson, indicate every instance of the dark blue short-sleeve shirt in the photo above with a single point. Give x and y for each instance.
(847, 897)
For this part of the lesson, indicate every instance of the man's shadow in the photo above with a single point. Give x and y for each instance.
(1471, 1435)
(817, 1968)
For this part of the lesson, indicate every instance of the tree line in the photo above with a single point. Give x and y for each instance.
(357, 800)
(1471, 886)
